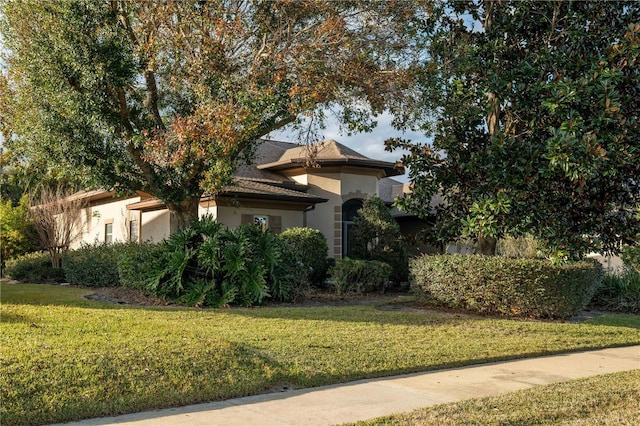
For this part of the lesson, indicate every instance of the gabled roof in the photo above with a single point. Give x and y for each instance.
(327, 153)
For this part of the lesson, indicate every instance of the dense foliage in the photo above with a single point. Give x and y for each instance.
(631, 257)
(533, 108)
(360, 276)
(137, 263)
(93, 265)
(16, 230)
(619, 292)
(168, 97)
(503, 286)
(208, 265)
(376, 236)
(33, 267)
(309, 248)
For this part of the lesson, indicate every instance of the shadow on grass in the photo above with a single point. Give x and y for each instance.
(392, 310)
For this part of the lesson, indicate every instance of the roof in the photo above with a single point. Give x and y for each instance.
(327, 153)
(261, 179)
(243, 188)
(251, 189)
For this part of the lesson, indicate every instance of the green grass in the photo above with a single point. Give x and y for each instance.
(610, 399)
(65, 358)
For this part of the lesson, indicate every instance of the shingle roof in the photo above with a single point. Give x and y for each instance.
(327, 153)
(251, 189)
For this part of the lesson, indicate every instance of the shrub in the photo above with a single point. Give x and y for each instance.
(33, 267)
(631, 257)
(309, 248)
(137, 262)
(93, 265)
(376, 236)
(619, 292)
(206, 265)
(521, 247)
(511, 287)
(360, 276)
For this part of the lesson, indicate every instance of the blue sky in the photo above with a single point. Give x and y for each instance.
(368, 144)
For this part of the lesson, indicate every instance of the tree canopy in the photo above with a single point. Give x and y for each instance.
(168, 97)
(533, 109)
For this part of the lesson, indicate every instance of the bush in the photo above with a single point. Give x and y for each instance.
(631, 257)
(137, 262)
(206, 265)
(530, 288)
(33, 267)
(360, 276)
(520, 247)
(376, 236)
(309, 248)
(93, 265)
(619, 292)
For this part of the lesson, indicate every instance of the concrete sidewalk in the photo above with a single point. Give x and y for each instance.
(366, 399)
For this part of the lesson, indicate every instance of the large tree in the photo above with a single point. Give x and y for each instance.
(167, 97)
(533, 108)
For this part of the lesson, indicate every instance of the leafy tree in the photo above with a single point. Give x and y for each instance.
(376, 236)
(168, 97)
(533, 108)
(15, 229)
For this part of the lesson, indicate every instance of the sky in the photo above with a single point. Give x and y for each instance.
(368, 144)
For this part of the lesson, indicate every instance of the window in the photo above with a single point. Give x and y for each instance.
(349, 212)
(134, 230)
(108, 233)
(261, 222)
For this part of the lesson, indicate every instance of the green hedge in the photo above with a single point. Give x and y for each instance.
(33, 267)
(360, 276)
(309, 248)
(93, 265)
(531, 288)
(137, 262)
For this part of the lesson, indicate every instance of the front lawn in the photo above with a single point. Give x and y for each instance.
(610, 399)
(65, 358)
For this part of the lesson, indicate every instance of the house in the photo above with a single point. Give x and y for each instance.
(288, 185)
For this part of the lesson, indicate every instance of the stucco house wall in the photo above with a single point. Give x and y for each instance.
(155, 225)
(110, 211)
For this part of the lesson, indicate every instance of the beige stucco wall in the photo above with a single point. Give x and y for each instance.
(96, 216)
(337, 187)
(155, 225)
(611, 264)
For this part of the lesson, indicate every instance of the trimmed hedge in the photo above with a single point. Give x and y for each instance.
(33, 267)
(530, 288)
(137, 262)
(93, 265)
(360, 276)
(309, 248)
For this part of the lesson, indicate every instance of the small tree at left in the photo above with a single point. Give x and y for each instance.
(15, 228)
(57, 219)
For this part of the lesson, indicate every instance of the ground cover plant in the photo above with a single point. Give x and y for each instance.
(65, 357)
(610, 399)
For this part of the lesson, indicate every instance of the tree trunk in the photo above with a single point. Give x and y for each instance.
(487, 245)
(181, 215)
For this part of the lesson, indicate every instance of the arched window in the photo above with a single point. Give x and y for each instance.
(349, 212)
